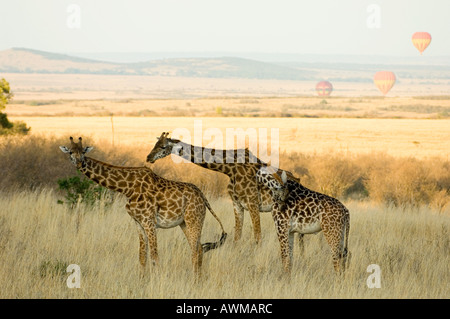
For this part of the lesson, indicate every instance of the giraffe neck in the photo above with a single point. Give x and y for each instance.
(112, 177)
(267, 180)
(216, 160)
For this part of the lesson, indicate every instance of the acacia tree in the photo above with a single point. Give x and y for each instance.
(5, 96)
(7, 127)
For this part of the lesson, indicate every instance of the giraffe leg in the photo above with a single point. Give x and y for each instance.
(143, 239)
(239, 220)
(334, 232)
(253, 209)
(152, 242)
(285, 239)
(346, 255)
(238, 213)
(143, 248)
(197, 256)
(291, 247)
(149, 229)
(301, 244)
(193, 235)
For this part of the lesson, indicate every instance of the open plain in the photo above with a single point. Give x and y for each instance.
(386, 158)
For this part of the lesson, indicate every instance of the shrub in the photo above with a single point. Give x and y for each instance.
(53, 268)
(16, 128)
(79, 189)
(334, 176)
(7, 127)
(401, 182)
(408, 181)
(4, 122)
(31, 162)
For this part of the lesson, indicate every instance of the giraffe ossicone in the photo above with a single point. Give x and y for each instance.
(153, 202)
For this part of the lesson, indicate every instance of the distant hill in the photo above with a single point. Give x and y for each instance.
(342, 68)
(131, 57)
(224, 67)
(20, 60)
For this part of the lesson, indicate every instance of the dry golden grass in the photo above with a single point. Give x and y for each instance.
(39, 238)
(250, 106)
(346, 136)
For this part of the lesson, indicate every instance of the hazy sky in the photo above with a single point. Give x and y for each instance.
(276, 26)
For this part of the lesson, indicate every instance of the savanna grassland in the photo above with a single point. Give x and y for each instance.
(40, 238)
(386, 159)
(399, 220)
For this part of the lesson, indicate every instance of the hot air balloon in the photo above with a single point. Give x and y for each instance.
(324, 88)
(421, 40)
(384, 80)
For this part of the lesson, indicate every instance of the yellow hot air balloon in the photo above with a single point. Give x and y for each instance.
(384, 80)
(421, 40)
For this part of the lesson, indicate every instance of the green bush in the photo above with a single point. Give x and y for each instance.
(79, 189)
(7, 127)
(14, 128)
(53, 268)
(4, 122)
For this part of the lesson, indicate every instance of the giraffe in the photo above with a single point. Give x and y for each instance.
(153, 202)
(298, 209)
(239, 165)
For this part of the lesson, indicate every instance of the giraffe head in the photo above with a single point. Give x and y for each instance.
(76, 151)
(162, 148)
(275, 182)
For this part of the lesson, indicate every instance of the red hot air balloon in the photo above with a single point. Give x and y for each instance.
(324, 88)
(421, 40)
(384, 80)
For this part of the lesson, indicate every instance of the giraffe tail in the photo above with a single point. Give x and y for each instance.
(346, 255)
(208, 246)
(213, 245)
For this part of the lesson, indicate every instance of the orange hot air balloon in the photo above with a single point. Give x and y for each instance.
(421, 40)
(384, 80)
(324, 88)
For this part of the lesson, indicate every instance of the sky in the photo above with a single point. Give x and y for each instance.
(344, 27)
